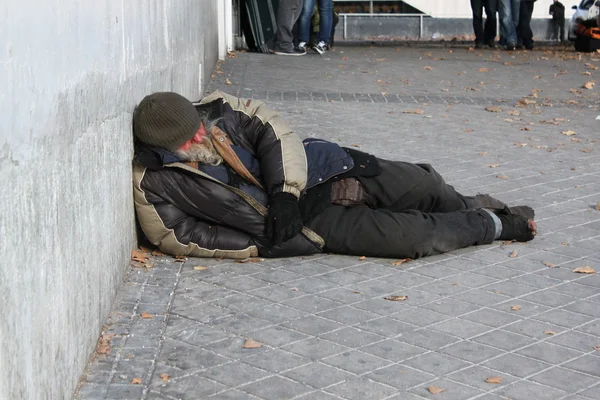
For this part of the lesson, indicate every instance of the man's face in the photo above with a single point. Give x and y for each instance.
(199, 148)
(198, 138)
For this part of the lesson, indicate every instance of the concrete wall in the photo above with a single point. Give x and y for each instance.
(72, 72)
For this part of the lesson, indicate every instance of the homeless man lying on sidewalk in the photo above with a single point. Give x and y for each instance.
(227, 177)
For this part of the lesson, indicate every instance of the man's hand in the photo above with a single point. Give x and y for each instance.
(284, 220)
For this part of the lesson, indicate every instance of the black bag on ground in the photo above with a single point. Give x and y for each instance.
(259, 23)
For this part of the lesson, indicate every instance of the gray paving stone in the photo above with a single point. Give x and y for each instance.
(352, 337)
(275, 388)
(470, 279)
(549, 353)
(419, 316)
(229, 395)
(575, 340)
(318, 375)
(124, 391)
(399, 376)
(239, 323)
(589, 364)
(318, 395)
(428, 339)
(564, 379)
(276, 293)
(393, 350)
(492, 317)
(277, 313)
(592, 393)
(549, 298)
(585, 307)
(347, 315)
(452, 390)
(592, 328)
(534, 329)
(451, 307)
(480, 297)
(313, 325)
(276, 360)
(503, 340)
(527, 308)
(470, 351)
(476, 376)
(315, 348)
(90, 392)
(461, 328)
(436, 363)
(387, 327)
(563, 318)
(188, 357)
(516, 365)
(276, 336)
(357, 362)
(361, 388)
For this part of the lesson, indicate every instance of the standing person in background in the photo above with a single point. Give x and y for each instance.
(508, 26)
(484, 36)
(524, 28)
(325, 22)
(288, 13)
(557, 10)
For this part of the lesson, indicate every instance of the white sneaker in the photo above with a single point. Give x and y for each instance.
(302, 46)
(320, 47)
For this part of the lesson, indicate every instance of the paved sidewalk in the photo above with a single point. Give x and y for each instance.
(513, 314)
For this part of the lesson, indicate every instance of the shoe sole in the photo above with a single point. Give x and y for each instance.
(320, 51)
(281, 53)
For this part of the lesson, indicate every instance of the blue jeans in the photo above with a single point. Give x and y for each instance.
(508, 25)
(325, 20)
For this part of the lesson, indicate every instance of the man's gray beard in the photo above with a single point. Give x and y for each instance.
(201, 152)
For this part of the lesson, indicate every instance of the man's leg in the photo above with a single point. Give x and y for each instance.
(287, 14)
(524, 28)
(507, 24)
(363, 231)
(477, 8)
(491, 8)
(404, 186)
(561, 27)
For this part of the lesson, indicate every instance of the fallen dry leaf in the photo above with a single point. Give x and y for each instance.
(483, 70)
(596, 348)
(402, 261)
(515, 112)
(568, 133)
(493, 165)
(598, 206)
(550, 265)
(515, 308)
(501, 176)
(139, 256)
(231, 54)
(585, 270)
(513, 254)
(483, 153)
(227, 82)
(396, 298)
(414, 111)
(589, 85)
(494, 379)
(537, 77)
(520, 144)
(586, 150)
(164, 377)
(104, 344)
(344, 58)
(468, 130)
(136, 381)
(146, 315)
(586, 73)
(493, 109)
(251, 344)
(549, 332)
(362, 258)
(200, 268)
(427, 68)
(247, 260)
(564, 243)
(435, 389)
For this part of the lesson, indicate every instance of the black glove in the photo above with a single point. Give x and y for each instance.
(284, 220)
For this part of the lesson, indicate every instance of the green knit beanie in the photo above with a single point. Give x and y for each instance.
(166, 120)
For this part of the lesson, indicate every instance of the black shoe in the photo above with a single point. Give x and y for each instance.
(497, 206)
(320, 47)
(529, 46)
(478, 45)
(491, 45)
(295, 52)
(516, 227)
(511, 46)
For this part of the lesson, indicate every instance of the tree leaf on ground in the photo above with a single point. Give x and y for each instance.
(146, 315)
(589, 85)
(137, 255)
(402, 261)
(596, 348)
(427, 68)
(252, 259)
(362, 258)
(494, 379)
(585, 270)
(515, 112)
(435, 389)
(493, 165)
(586, 73)
(414, 111)
(598, 206)
(537, 77)
(136, 381)
(564, 243)
(251, 344)
(515, 308)
(227, 81)
(549, 332)
(586, 150)
(520, 144)
(514, 254)
(344, 58)
(506, 242)
(200, 268)
(493, 109)
(568, 133)
(501, 176)
(468, 130)
(396, 298)
(164, 377)
(103, 346)
(575, 140)
(483, 153)
(550, 265)
(483, 70)
(525, 128)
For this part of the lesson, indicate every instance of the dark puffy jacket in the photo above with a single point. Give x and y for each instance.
(210, 211)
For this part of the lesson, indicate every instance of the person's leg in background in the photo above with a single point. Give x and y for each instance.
(561, 28)
(325, 24)
(524, 27)
(304, 25)
(507, 25)
(477, 8)
(491, 8)
(288, 13)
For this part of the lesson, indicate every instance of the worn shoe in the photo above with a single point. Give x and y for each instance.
(295, 52)
(478, 45)
(302, 46)
(320, 47)
(511, 46)
(516, 227)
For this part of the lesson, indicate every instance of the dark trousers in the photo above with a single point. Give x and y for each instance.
(416, 214)
(288, 12)
(487, 34)
(524, 32)
(558, 24)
